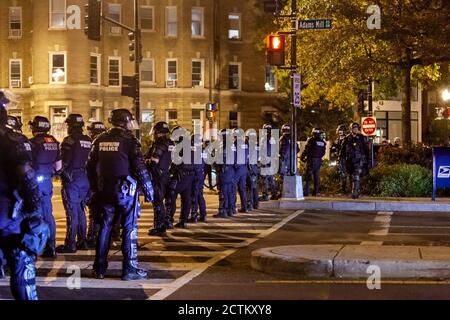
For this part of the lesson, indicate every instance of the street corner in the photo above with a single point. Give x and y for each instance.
(303, 261)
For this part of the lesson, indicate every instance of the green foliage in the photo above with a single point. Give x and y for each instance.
(410, 154)
(401, 180)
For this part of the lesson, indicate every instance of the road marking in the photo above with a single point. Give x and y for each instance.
(384, 219)
(393, 282)
(117, 265)
(178, 283)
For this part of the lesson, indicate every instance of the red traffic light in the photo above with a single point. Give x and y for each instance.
(275, 42)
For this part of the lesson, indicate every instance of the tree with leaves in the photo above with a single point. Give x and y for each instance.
(413, 35)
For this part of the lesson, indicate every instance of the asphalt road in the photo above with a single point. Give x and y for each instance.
(212, 260)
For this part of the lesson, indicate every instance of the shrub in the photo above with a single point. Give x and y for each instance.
(402, 180)
(410, 154)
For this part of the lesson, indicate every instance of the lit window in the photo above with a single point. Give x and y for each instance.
(171, 73)
(147, 67)
(15, 73)
(147, 18)
(172, 118)
(114, 71)
(57, 14)
(58, 68)
(270, 82)
(234, 76)
(234, 28)
(15, 22)
(197, 73)
(197, 22)
(95, 69)
(115, 13)
(171, 21)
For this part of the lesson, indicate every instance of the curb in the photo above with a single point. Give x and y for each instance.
(357, 205)
(353, 261)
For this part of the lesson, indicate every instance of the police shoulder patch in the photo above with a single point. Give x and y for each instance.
(15, 136)
(68, 141)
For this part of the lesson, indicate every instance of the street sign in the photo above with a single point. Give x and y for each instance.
(297, 87)
(369, 126)
(314, 24)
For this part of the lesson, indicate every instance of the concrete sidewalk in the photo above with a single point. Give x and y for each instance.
(353, 261)
(362, 204)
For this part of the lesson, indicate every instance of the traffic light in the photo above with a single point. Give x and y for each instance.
(92, 19)
(275, 50)
(211, 111)
(132, 46)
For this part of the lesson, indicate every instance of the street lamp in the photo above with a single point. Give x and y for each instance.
(445, 95)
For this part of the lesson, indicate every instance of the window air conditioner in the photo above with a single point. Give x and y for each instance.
(15, 83)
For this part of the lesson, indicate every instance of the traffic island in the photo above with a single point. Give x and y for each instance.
(354, 261)
(363, 204)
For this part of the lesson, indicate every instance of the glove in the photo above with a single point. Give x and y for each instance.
(303, 158)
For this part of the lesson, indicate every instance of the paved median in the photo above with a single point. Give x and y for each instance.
(353, 261)
(363, 204)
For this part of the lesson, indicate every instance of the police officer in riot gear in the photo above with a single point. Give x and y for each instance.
(181, 183)
(115, 169)
(269, 180)
(95, 129)
(241, 168)
(18, 183)
(158, 161)
(285, 151)
(14, 123)
(314, 151)
(252, 174)
(355, 151)
(198, 210)
(226, 177)
(75, 150)
(336, 150)
(47, 162)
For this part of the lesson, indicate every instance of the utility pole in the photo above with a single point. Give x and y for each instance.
(293, 168)
(370, 105)
(137, 61)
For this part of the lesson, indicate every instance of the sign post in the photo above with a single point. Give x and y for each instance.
(297, 90)
(369, 126)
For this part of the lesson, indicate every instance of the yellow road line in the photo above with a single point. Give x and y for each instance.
(393, 282)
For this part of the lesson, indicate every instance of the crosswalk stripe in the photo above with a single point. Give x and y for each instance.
(172, 260)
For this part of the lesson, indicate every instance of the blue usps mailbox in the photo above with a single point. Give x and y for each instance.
(441, 169)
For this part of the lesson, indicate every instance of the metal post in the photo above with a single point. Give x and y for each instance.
(370, 104)
(137, 58)
(293, 168)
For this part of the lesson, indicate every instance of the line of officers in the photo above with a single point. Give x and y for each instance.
(351, 151)
(104, 171)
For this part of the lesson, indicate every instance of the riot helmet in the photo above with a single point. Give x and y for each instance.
(40, 124)
(121, 118)
(355, 125)
(316, 133)
(14, 123)
(75, 120)
(286, 129)
(96, 128)
(160, 127)
(341, 130)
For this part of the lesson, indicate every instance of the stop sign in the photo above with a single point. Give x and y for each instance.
(369, 126)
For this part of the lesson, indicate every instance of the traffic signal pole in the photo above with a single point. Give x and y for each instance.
(293, 168)
(137, 60)
(370, 105)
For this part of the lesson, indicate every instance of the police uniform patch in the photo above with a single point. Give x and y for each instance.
(85, 144)
(109, 146)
